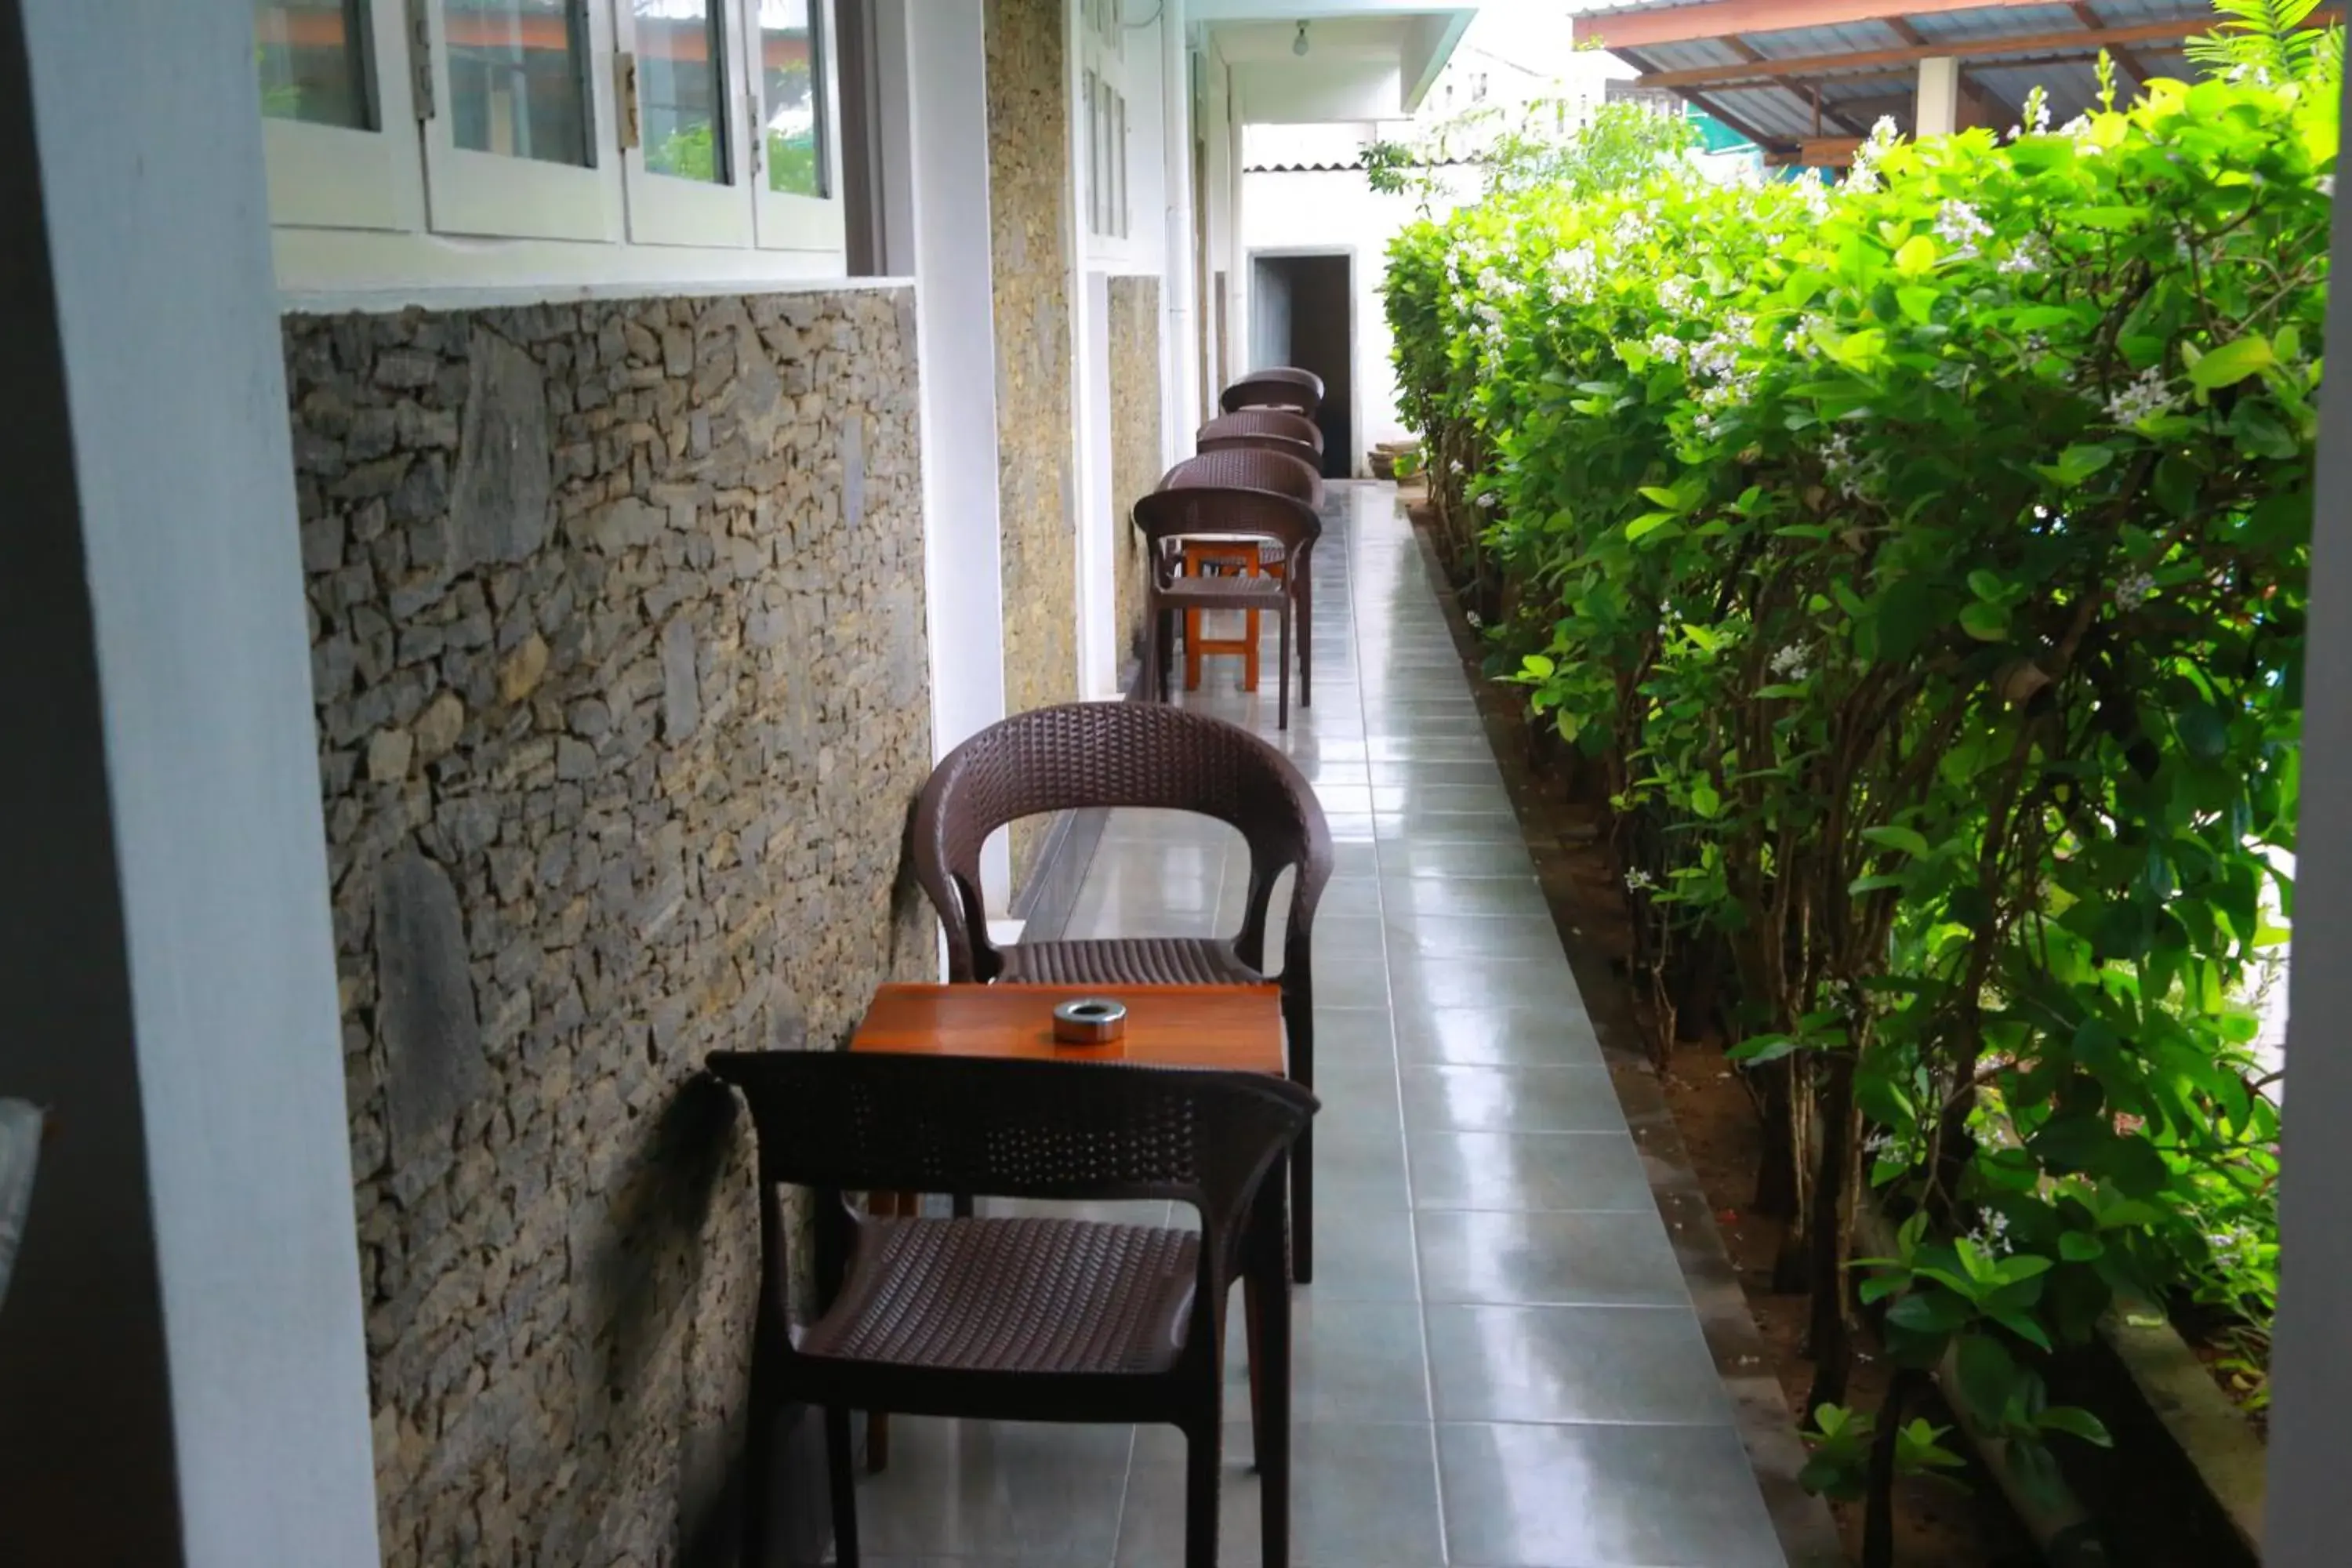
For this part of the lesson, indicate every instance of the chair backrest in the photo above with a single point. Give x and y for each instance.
(1278, 386)
(1248, 468)
(1262, 422)
(1260, 443)
(1067, 1131)
(1179, 510)
(1081, 755)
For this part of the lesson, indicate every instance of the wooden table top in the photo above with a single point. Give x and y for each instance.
(1237, 1027)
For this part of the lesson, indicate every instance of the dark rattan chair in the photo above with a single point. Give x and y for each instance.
(1252, 519)
(1083, 754)
(1283, 474)
(1030, 1319)
(1276, 386)
(1265, 429)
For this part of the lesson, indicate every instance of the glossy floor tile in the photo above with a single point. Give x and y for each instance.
(1497, 1364)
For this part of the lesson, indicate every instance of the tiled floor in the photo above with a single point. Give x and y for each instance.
(1497, 1362)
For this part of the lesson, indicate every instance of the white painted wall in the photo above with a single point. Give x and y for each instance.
(1327, 210)
(158, 241)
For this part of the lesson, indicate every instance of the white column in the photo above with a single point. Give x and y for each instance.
(934, 64)
(183, 1374)
(2310, 1507)
(1936, 110)
(1180, 377)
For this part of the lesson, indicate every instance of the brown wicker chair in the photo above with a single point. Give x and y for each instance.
(1252, 519)
(1020, 1320)
(1265, 429)
(1276, 386)
(1136, 754)
(1283, 474)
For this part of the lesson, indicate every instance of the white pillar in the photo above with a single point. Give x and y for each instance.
(2309, 1507)
(1936, 110)
(183, 1372)
(1180, 377)
(933, 57)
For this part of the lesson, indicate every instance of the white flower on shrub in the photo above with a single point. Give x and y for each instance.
(1710, 426)
(1675, 294)
(1991, 1233)
(2142, 399)
(1454, 467)
(1639, 882)
(1475, 618)
(1631, 229)
(1666, 346)
(1578, 270)
(1849, 474)
(1486, 499)
(2326, 186)
(1813, 194)
(2136, 589)
(1791, 663)
(1958, 224)
(2028, 256)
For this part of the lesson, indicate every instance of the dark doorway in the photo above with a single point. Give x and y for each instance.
(1302, 314)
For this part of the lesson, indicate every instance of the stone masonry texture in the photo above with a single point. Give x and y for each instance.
(617, 638)
(1134, 441)
(1029, 216)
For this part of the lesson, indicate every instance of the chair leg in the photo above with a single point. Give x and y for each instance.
(1191, 650)
(1305, 588)
(1253, 1330)
(759, 1472)
(1298, 1016)
(1204, 1457)
(1271, 1349)
(842, 1466)
(1281, 679)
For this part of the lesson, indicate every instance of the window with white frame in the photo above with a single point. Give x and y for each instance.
(677, 123)
(1103, 39)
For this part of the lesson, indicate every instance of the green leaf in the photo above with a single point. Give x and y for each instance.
(2203, 731)
(2233, 361)
(2080, 1245)
(1704, 799)
(2025, 1328)
(1987, 586)
(1917, 302)
(1538, 667)
(1986, 623)
(2079, 462)
(2077, 1422)
(1760, 1048)
(1917, 256)
(1989, 1378)
(1908, 840)
(1646, 524)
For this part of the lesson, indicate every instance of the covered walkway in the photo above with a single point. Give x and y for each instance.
(1498, 1362)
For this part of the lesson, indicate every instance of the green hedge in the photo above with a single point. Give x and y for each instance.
(1922, 562)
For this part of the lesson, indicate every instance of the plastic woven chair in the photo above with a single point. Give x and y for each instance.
(1275, 386)
(1020, 1320)
(1261, 422)
(1280, 473)
(1253, 520)
(1263, 430)
(1082, 754)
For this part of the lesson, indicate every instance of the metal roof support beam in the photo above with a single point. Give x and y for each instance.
(1870, 61)
(1723, 19)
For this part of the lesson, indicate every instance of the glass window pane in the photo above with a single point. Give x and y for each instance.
(791, 87)
(681, 102)
(313, 61)
(517, 79)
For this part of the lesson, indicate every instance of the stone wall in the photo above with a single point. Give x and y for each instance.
(1029, 217)
(1135, 464)
(618, 638)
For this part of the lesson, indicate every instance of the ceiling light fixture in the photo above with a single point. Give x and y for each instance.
(1299, 44)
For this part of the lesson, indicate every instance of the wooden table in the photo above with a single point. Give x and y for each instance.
(1237, 1028)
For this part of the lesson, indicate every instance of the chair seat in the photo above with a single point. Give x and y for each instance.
(1221, 592)
(1014, 1296)
(1129, 961)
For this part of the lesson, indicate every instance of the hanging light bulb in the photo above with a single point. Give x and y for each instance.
(1299, 44)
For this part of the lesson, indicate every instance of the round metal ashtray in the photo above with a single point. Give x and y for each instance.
(1089, 1021)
